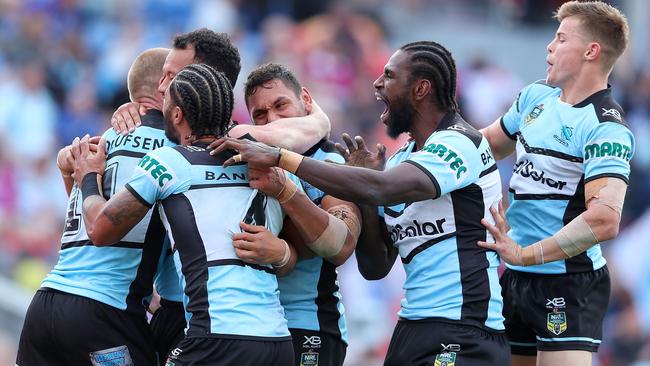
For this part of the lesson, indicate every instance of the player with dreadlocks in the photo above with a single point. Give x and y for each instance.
(233, 311)
(432, 195)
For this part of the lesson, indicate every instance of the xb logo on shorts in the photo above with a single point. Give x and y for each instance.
(556, 321)
(311, 342)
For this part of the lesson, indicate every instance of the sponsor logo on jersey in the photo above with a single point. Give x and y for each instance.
(608, 149)
(157, 171)
(565, 135)
(456, 164)
(400, 232)
(445, 359)
(526, 169)
(612, 113)
(112, 356)
(309, 359)
(224, 176)
(530, 118)
(556, 322)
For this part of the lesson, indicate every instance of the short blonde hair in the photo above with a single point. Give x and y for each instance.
(601, 22)
(145, 73)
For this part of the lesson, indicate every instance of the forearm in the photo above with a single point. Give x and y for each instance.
(375, 255)
(360, 185)
(309, 219)
(91, 210)
(593, 226)
(68, 182)
(297, 134)
(290, 265)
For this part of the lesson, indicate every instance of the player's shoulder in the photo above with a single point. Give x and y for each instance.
(534, 93)
(455, 130)
(604, 108)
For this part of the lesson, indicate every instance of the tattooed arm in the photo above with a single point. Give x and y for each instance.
(109, 221)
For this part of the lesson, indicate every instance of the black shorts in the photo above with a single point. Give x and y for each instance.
(554, 312)
(168, 327)
(313, 348)
(443, 343)
(65, 329)
(195, 351)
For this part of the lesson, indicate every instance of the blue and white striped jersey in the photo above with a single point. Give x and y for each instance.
(310, 294)
(447, 274)
(201, 204)
(560, 147)
(119, 275)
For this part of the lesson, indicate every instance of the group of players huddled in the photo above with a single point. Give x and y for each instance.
(230, 234)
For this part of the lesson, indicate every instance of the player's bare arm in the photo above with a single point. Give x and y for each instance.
(109, 221)
(500, 144)
(403, 183)
(295, 133)
(600, 222)
(330, 231)
(375, 252)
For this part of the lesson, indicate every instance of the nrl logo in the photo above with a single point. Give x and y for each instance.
(445, 359)
(533, 114)
(556, 322)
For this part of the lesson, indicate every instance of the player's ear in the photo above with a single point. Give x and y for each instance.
(593, 51)
(306, 100)
(421, 89)
(177, 115)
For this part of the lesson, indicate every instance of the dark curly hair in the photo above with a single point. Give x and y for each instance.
(213, 49)
(432, 61)
(267, 72)
(205, 97)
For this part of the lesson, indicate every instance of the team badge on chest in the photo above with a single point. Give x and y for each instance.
(530, 118)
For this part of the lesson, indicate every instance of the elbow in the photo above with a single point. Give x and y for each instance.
(604, 223)
(609, 230)
(98, 238)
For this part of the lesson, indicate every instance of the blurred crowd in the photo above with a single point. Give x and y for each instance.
(63, 66)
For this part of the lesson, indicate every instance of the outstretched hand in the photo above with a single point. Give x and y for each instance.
(256, 154)
(508, 249)
(358, 155)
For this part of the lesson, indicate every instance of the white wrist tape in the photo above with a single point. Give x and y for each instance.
(331, 240)
(575, 237)
(285, 258)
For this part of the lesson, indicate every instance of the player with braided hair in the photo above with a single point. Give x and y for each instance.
(432, 195)
(232, 308)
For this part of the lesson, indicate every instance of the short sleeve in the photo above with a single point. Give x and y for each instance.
(525, 107)
(608, 149)
(449, 159)
(158, 175)
(511, 119)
